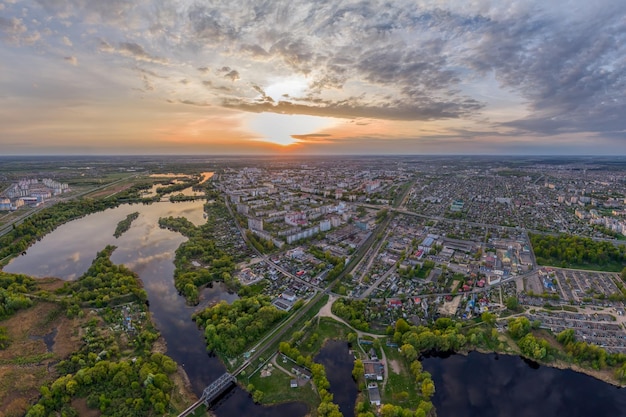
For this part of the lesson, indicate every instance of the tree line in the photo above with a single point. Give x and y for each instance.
(43, 222)
(575, 251)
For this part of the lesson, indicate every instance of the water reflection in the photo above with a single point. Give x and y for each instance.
(148, 250)
(486, 385)
(338, 363)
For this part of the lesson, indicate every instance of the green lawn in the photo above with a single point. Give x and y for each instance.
(401, 388)
(276, 388)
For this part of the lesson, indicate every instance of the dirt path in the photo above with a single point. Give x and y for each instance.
(279, 367)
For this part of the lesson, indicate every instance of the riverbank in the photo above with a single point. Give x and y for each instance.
(604, 375)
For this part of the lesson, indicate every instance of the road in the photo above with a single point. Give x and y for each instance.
(375, 285)
(278, 332)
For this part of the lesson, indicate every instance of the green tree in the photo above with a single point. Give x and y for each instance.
(488, 318)
(512, 303)
(519, 327)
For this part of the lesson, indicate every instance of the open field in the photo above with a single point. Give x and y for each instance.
(28, 363)
(275, 385)
(399, 382)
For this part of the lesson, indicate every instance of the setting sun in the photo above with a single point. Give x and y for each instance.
(280, 129)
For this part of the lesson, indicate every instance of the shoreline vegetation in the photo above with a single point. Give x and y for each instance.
(124, 225)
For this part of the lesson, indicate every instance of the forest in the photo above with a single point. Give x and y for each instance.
(353, 312)
(230, 329)
(14, 290)
(568, 251)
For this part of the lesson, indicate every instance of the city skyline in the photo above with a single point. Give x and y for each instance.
(301, 77)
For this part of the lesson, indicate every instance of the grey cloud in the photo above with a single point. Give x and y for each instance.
(264, 96)
(136, 51)
(571, 75)
(106, 47)
(229, 73)
(151, 73)
(71, 59)
(355, 108)
(15, 32)
(110, 11)
(359, 42)
(12, 26)
(210, 24)
(297, 53)
(255, 51)
(195, 103)
(233, 75)
(398, 60)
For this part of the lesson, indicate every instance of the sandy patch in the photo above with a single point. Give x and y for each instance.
(449, 307)
(395, 366)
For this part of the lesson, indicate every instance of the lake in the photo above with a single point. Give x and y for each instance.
(490, 385)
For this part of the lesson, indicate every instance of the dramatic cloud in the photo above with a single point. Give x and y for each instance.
(427, 70)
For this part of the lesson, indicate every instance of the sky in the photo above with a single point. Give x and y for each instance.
(313, 77)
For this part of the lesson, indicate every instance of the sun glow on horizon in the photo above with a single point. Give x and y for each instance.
(279, 129)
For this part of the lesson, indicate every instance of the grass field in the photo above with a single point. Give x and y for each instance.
(27, 364)
(401, 388)
(276, 388)
(321, 330)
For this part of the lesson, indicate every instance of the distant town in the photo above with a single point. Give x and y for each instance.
(30, 192)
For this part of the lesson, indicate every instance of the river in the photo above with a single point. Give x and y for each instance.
(490, 385)
(68, 251)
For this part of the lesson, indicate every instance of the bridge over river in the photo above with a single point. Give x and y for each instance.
(210, 393)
